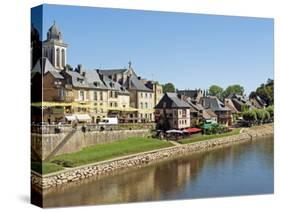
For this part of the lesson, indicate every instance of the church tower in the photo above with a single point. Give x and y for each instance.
(54, 48)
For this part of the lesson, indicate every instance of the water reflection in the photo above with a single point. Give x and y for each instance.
(237, 170)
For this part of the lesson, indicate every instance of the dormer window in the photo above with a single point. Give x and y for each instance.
(97, 84)
(80, 80)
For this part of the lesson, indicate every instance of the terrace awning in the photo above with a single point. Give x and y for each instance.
(193, 130)
(70, 118)
(174, 131)
(83, 117)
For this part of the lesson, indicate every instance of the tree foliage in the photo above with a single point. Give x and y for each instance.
(265, 91)
(233, 89)
(215, 90)
(249, 115)
(270, 109)
(169, 87)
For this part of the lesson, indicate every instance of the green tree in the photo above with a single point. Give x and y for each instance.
(169, 87)
(250, 116)
(270, 109)
(267, 115)
(260, 115)
(266, 92)
(215, 90)
(233, 89)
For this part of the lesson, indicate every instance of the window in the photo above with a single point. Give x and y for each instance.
(101, 96)
(63, 57)
(116, 94)
(58, 57)
(145, 95)
(61, 92)
(141, 95)
(116, 105)
(95, 96)
(150, 95)
(81, 96)
(111, 94)
(146, 105)
(141, 105)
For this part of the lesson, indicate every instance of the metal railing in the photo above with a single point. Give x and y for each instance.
(66, 128)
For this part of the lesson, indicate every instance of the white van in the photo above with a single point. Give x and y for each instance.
(108, 121)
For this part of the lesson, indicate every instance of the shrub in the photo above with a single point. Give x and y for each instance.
(270, 109)
(250, 116)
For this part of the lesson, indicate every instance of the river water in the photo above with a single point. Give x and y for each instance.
(241, 169)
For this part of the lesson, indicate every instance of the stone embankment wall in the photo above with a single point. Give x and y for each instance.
(103, 168)
(43, 145)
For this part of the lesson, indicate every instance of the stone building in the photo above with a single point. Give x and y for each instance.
(172, 113)
(141, 97)
(53, 90)
(118, 99)
(223, 113)
(157, 89)
(87, 95)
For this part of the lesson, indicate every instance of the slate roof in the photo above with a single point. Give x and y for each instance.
(208, 114)
(189, 93)
(197, 107)
(43, 64)
(133, 83)
(108, 72)
(213, 103)
(260, 100)
(78, 80)
(172, 101)
(94, 80)
(110, 84)
(231, 106)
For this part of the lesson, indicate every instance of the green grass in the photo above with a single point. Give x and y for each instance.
(45, 167)
(207, 137)
(102, 152)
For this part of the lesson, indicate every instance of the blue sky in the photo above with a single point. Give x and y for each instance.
(189, 50)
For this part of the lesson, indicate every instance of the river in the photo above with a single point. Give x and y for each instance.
(241, 169)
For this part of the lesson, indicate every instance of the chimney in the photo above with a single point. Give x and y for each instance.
(129, 82)
(79, 69)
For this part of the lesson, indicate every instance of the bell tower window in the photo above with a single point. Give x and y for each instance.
(58, 57)
(63, 57)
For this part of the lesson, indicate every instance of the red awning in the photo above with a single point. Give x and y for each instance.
(193, 130)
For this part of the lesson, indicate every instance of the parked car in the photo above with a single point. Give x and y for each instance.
(109, 121)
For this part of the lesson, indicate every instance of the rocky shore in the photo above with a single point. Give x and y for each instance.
(46, 182)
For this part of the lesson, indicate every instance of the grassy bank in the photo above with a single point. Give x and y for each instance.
(101, 152)
(207, 137)
(45, 167)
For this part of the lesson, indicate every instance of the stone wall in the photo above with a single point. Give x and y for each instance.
(49, 181)
(44, 144)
